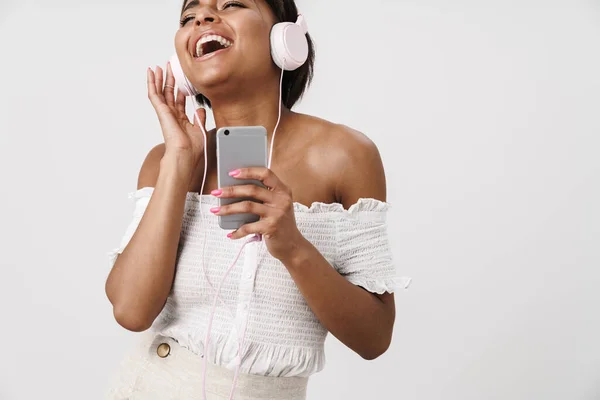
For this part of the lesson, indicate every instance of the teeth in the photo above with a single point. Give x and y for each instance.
(211, 38)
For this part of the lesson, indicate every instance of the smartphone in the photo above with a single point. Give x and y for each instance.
(239, 147)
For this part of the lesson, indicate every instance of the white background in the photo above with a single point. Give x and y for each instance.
(487, 116)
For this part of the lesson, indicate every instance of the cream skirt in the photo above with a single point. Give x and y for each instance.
(160, 369)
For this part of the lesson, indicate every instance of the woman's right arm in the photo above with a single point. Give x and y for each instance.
(142, 276)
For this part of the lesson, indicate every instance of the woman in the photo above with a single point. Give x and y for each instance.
(324, 264)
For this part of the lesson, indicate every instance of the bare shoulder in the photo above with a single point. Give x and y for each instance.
(361, 170)
(151, 167)
(340, 140)
(353, 143)
(351, 156)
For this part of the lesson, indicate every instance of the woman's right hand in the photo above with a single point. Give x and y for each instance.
(181, 136)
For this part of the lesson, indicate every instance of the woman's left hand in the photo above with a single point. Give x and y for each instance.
(277, 222)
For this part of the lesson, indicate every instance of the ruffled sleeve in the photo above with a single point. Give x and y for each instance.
(364, 255)
(141, 198)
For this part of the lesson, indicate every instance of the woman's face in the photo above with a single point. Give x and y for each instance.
(224, 41)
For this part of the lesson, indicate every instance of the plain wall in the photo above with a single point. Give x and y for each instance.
(487, 117)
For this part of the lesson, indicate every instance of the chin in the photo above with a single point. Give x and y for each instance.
(210, 76)
(214, 70)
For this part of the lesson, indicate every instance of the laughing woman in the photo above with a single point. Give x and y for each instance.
(324, 264)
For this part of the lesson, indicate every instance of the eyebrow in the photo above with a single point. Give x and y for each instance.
(191, 4)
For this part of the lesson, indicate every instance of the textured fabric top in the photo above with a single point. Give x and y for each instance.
(282, 335)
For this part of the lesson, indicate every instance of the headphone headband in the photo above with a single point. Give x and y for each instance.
(302, 22)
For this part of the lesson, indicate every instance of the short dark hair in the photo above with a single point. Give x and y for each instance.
(295, 82)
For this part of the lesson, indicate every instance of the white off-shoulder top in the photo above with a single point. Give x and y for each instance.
(282, 335)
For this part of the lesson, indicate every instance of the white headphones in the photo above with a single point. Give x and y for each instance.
(289, 50)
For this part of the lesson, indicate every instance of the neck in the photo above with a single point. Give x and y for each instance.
(254, 108)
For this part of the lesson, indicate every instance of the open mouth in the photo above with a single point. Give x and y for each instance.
(210, 43)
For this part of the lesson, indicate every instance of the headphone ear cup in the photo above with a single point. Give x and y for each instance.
(289, 47)
(182, 82)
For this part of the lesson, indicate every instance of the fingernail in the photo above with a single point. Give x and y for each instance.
(229, 235)
(235, 173)
(215, 210)
(217, 192)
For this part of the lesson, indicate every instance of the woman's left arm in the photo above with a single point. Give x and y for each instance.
(361, 320)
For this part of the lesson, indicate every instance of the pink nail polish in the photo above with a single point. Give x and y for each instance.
(217, 192)
(235, 173)
(215, 210)
(229, 235)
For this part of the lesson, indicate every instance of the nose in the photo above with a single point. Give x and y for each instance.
(206, 15)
